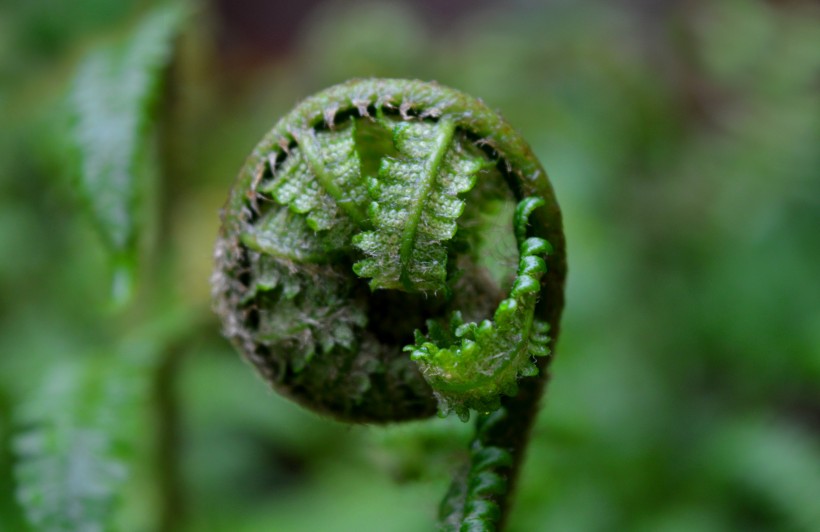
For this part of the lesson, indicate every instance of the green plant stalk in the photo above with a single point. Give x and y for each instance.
(252, 271)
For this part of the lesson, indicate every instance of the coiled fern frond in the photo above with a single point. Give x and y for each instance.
(374, 210)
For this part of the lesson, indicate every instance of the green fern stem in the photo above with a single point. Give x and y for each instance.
(370, 210)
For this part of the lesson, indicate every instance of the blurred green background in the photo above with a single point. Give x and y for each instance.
(683, 141)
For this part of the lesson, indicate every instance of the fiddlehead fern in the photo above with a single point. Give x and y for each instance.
(363, 217)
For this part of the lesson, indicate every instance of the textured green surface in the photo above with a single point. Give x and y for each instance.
(415, 207)
(470, 365)
(323, 299)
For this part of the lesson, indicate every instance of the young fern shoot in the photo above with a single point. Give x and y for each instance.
(471, 365)
(361, 217)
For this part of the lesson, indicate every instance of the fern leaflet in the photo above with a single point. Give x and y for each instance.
(321, 178)
(415, 207)
(470, 365)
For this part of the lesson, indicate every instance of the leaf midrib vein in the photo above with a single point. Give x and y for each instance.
(307, 141)
(444, 138)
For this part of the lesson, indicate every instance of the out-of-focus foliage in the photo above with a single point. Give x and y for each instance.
(110, 102)
(683, 144)
(71, 462)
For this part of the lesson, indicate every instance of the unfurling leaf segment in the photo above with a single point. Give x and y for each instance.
(470, 365)
(415, 207)
(371, 209)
